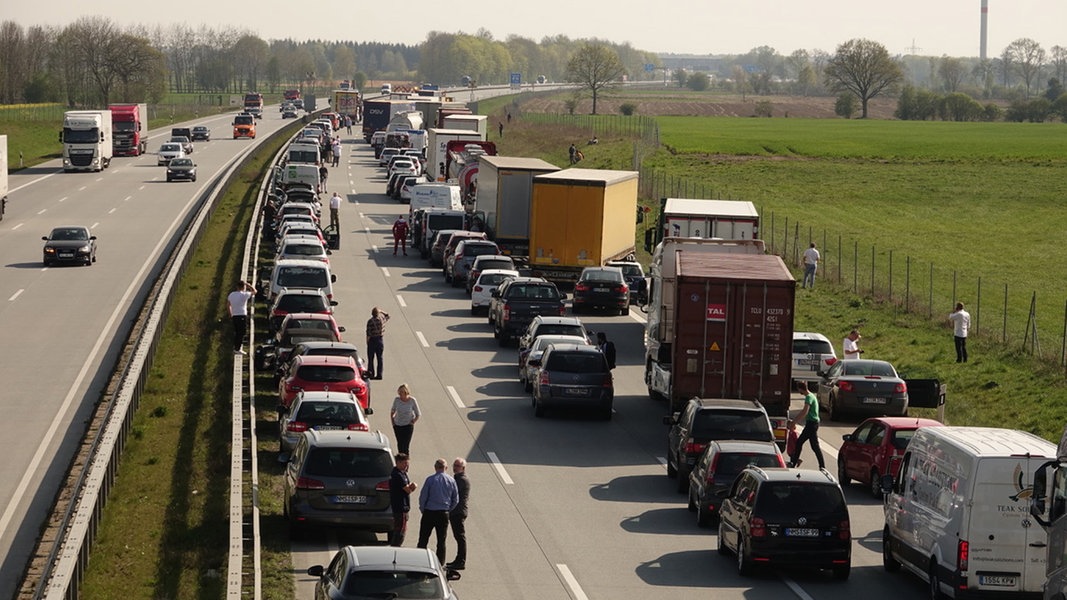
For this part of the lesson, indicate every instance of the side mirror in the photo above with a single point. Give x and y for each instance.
(369, 411)
(316, 571)
(44, 237)
(341, 329)
(847, 437)
(333, 278)
(333, 303)
(886, 484)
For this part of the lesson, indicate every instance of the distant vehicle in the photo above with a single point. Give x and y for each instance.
(201, 134)
(181, 168)
(168, 152)
(130, 125)
(387, 88)
(187, 144)
(66, 245)
(289, 112)
(254, 104)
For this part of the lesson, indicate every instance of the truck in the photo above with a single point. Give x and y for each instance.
(86, 139)
(461, 165)
(446, 111)
(405, 121)
(724, 219)
(254, 104)
(581, 218)
(377, 114)
(347, 103)
(479, 123)
(3, 176)
(1048, 506)
(503, 199)
(293, 96)
(129, 124)
(437, 148)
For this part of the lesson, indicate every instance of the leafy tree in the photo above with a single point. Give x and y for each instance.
(959, 107)
(595, 67)
(698, 82)
(1027, 56)
(1059, 107)
(864, 69)
(250, 59)
(950, 70)
(917, 105)
(681, 76)
(764, 108)
(1054, 90)
(845, 106)
(1034, 111)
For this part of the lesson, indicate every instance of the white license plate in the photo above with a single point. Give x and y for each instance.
(571, 391)
(998, 580)
(351, 499)
(872, 400)
(801, 532)
(327, 427)
(600, 290)
(66, 255)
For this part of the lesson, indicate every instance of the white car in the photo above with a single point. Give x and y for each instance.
(812, 353)
(170, 151)
(482, 291)
(307, 247)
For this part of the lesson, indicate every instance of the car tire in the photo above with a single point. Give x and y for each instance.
(169, 179)
(474, 312)
(683, 481)
(876, 485)
(935, 582)
(720, 543)
(841, 572)
(832, 413)
(744, 566)
(842, 476)
(889, 563)
(194, 178)
(692, 506)
(672, 472)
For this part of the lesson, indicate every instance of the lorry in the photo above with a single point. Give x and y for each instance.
(461, 165)
(347, 103)
(293, 96)
(724, 219)
(720, 325)
(377, 114)
(3, 176)
(86, 139)
(581, 218)
(405, 121)
(448, 110)
(503, 199)
(437, 148)
(254, 104)
(1048, 506)
(129, 124)
(479, 123)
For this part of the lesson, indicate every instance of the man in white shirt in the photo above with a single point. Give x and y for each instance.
(335, 209)
(238, 305)
(811, 264)
(851, 346)
(961, 324)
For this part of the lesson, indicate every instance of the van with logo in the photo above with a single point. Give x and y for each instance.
(957, 513)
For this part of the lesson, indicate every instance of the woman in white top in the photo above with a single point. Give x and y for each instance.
(404, 414)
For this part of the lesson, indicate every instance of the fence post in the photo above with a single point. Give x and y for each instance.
(872, 270)
(907, 284)
(930, 298)
(840, 259)
(891, 275)
(1004, 333)
(856, 266)
(978, 308)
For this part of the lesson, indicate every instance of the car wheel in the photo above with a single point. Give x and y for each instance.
(720, 544)
(935, 582)
(194, 177)
(841, 572)
(692, 506)
(169, 179)
(876, 485)
(744, 567)
(704, 516)
(683, 481)
(842, 475)
(890, 564)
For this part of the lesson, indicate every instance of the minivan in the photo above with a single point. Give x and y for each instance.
(299, 273)
(956, 515)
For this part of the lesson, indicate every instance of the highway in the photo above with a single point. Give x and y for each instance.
(64, 326)
(566, 507)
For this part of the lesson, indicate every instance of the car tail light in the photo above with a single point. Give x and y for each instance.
(507, 313)
(581, 287)
(356, 389)
(543, 379)
(296, 388)
(477, 288)
(844, 531)
(562, 309)
(382, 486)
(846, 386)
(963, 555)
(607, 382)
(692, 447)
(710, 478)
(901, 388)
(622, 289)
(757, 527)
(296, 427)
(307, 483)
(358, 427)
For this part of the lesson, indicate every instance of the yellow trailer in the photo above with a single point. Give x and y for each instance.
(581, 218)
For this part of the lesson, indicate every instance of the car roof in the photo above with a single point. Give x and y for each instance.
(511, 272)
(326, 396)
(306, 316)
(555, 338)
(389, 558)
(488, 257)
(315, 345)
(601, 270)
(709, 403)
(806, 475)
(903, 422)
(553, 320)
(301, 262)
(529, 280)
(573, 348)
(348, 439)
(809, 335)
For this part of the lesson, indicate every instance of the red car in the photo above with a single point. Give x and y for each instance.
(868, 453)
(323, 373)
(311, 320)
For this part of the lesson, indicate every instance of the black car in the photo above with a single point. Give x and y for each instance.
(717, 468)
(635, 278)
(601, 287)
(703, 420)
(201, 133)
(361, 572)
(181, 168)
(573, 376)
(66, 245)
(786, 518)
(517, 301)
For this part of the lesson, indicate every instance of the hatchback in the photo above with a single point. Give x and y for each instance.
(482, 290)
(573, 376)
(487, 261)
(437, 248)
(458, 265)
(320, 411)
(786, 518)
(339, 478)
(862, 386)
(527, 371)
(386, 154)
(550, 325)
(297, 301)
(717, 468)
(361, 572)
(320, 347)
(874, 448)
(812, 353)
(453, 241)
(601, 287)
(304, 247)
(181, 168)
(69, 245)
(405, 186)
(322, 373)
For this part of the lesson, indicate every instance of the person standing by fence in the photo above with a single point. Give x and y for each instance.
(961, 325)
(811, 264)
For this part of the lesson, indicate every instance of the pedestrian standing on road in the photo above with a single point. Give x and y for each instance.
(810, 416)
(336, 149)
(606, 347)
(961, 325)
(400, 235)
(238, 305)
(335, 210)
(375, 341)
(404, 414)
(348, 124)
(851, 346)
(400, 488)
(323, 174)
(438, 498)
(811, 264)
(458, 517)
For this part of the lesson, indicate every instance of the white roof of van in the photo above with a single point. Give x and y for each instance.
(723, 208)
(993, 441)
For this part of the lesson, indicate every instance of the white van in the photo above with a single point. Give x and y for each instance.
(957, 514)
(435, 195)
(304, 153)
(301, 273)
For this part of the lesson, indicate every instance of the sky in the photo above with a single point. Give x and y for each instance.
(923, 27)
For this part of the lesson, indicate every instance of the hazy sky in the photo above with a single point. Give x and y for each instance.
(933, 27)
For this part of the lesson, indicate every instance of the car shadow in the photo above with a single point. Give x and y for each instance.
(635, 488)
(25, 265)
(664, 521)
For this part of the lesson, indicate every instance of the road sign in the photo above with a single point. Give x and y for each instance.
(649, 67)
(516, 79)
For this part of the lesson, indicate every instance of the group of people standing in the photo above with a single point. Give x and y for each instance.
(442, 502)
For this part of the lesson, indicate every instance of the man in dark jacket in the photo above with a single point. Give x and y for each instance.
(458, 517)
(400, 488)
(607, 348)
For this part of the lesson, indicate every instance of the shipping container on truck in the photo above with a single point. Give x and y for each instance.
(129, 124)
(86, 138)
(478, 123)
(504, 198)
(447, 111)
(732, 334)
(581, 218)
(347, 103)
(377, 114)
(437, 149)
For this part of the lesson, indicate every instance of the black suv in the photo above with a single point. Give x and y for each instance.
(518, 300)
(786, 518)
(703, 420)
(573, 376)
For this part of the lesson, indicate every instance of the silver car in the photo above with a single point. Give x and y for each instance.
(169, 151)
(320, 411)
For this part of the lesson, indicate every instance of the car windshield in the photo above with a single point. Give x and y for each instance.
(326, 373)
(782, 500)
(73, 233)
(302, 303)
(348, 462)
(170, 148)
(302, 277)
(181, 162)
(576, 362)
(393, 584)
(732, 425)
(864, 369)
(320, 412)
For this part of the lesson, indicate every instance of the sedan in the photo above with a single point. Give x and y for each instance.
(168, 152)
(69, 245)
(862, 386)
(359, 572)
(289, 112)
(181, 168)
(874, 449)
(201, 134)
(601, 287)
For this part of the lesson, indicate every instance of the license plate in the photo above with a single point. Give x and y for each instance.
(998, 580)
(571, 391)
(326, 427)
(600, 290)
(875, 400)
(66, 255)
(351, 499)
(801, 532)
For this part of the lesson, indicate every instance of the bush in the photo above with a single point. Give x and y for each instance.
(959, 107)
(764, 108)
(845, 106)
(698, 82)
(628, 108)
(571, 104)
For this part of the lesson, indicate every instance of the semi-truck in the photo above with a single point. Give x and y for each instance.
(448, 110)
(479, 123)
(581, 218)
(254, 104)
(86, 139)
(293, 96)
(504, 198)
(437, 148)
(347, 103)
(404, 121)
(461, 165)
(377, 113)
(705, 218)
(3, 176)
(129, 124)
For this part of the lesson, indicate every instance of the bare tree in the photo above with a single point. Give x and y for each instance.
(250, 56)
(863, 68)
(595, 67)
(1027, 56)
(951, 71)
(1058, 60)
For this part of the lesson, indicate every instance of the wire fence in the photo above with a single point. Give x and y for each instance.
(641, 128)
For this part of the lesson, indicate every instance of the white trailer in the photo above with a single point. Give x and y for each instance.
(86, 138)
(478, 123)
(699, 218)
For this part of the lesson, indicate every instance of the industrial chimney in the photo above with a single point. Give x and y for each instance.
(985, 19)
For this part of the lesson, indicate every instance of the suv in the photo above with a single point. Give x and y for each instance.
(201, 133)
(788, 518)
(704, 420)
(437, 247)
(812, 353)
(717, 469)
(322, 373)
(517, 301)
(320, 411)
(601, 287)
(573, 375)
(339, 478)
(458, 265)
(453, 240)
(548, 325)
(383, 572)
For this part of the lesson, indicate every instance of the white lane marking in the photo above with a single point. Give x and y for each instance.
(140, 188)
(29, 183)
(799, 591)
(422, 339)
(499, 468)
(42, 211)
(127, 198)
(16, 295)
(362, 216)
(94, 225)
(572, 583)
(385, 271)
(455, 397)
(82, 188)
(17, 226)
(61, 199)
(111, 211)
(400, 301)
(636, 316)
(662, 460)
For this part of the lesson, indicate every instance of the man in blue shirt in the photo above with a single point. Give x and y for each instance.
(439, 496)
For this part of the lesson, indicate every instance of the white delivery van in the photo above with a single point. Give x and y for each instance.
(435, 195)
(300, 273)
(957, 514)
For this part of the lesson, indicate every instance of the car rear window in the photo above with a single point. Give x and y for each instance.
(784, 500)
(348, 462)
(607, 276)
(544, 292)
(329, 351)
(726, 424)
(559, 329)
(326, 373)
(485, 265)
(303, 250)
(309, 324)
(901, 438)
(302, 277)
(493, 278)
(866, 368)
(576, 362)
(630, 270)
(479, 249)
(735, 462)
(301, 303)
(393, 584)
(812, 347)
(321, 412)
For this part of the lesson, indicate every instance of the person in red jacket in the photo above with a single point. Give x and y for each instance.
(400, 235)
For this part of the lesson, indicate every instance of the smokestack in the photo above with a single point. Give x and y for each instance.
(985, 19)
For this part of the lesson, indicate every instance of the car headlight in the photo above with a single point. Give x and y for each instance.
(49, 250)
(85, 248)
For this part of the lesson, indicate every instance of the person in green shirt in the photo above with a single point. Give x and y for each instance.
(810, 416)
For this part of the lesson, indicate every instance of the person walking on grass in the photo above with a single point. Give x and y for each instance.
(438, 498)
(810, 416)
(961, 325)
(237, 303)
(811, 264)
(404, 414)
